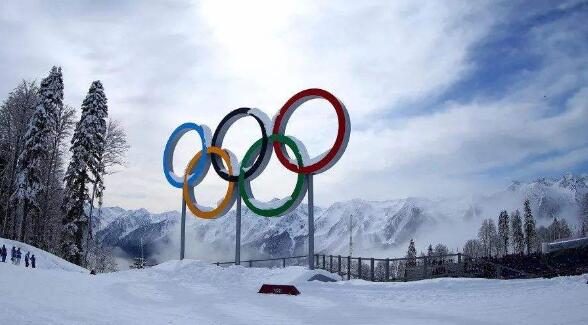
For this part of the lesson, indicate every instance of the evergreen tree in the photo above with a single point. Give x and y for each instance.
(543, 234)
(494, 240)
(554, 230)
(564, 229)
(411, 254)
(430, 250)
(503, 233)
(87, 147)
(529, 227)
(518, 237)
(32, 162)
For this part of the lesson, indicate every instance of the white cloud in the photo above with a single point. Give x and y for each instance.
(164, 64)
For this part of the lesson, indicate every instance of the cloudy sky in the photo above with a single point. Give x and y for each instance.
(445, 97)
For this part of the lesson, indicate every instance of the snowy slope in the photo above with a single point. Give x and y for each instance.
(44, 260)
(192, 292)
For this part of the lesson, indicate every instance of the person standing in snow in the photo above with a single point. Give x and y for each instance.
(18, 256)
(33, 261)
(27, 259)
(13, 255)
(3, 253)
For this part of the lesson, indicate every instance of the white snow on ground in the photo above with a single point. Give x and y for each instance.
(44, 260)
(194, 292)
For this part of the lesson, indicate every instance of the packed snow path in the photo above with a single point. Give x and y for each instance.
(193, 292)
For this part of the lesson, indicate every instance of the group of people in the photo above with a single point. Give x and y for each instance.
(16, 255)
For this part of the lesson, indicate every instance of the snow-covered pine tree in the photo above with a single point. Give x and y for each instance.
(51, 96)
(503, 233)
(518, 237)
(31, 165)
(87, 147)
(529, 227)
(411, 254)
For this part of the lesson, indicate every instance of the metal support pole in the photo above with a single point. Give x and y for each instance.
(238, 232)
(183, 230)
(331, 263)
(359, 267)
(372, 269)
(348, 267)
(310, 222)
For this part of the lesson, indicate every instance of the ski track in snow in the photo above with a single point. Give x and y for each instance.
(194, 292)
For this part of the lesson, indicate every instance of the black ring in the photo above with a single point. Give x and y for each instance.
(217, 140)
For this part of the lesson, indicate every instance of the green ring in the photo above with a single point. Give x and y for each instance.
(275, 212)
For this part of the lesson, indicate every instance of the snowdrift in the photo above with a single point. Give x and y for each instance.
(294, 275)
(45, 260)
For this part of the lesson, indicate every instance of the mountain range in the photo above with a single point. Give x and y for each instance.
(375, 228)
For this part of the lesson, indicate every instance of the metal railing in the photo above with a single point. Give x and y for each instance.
(270, 262)
(396, 269)
(418, 268)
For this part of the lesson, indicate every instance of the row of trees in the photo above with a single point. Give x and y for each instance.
(512, 234)
(518, 235)
(433, 253)
(41, 203)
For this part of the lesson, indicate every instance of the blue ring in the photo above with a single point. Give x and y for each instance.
(200, 169)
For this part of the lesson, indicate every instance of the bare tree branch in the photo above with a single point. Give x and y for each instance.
(115, 148)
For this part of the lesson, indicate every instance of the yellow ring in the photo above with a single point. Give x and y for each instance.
(229, 198)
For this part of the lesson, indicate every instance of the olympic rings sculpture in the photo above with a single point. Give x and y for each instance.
(239, 176)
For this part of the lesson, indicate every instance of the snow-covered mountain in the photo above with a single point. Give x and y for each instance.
(378, 228)
(127, 229)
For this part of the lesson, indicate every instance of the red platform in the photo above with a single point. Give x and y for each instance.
(278, 289)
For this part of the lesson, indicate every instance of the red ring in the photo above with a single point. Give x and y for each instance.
(340, 141)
